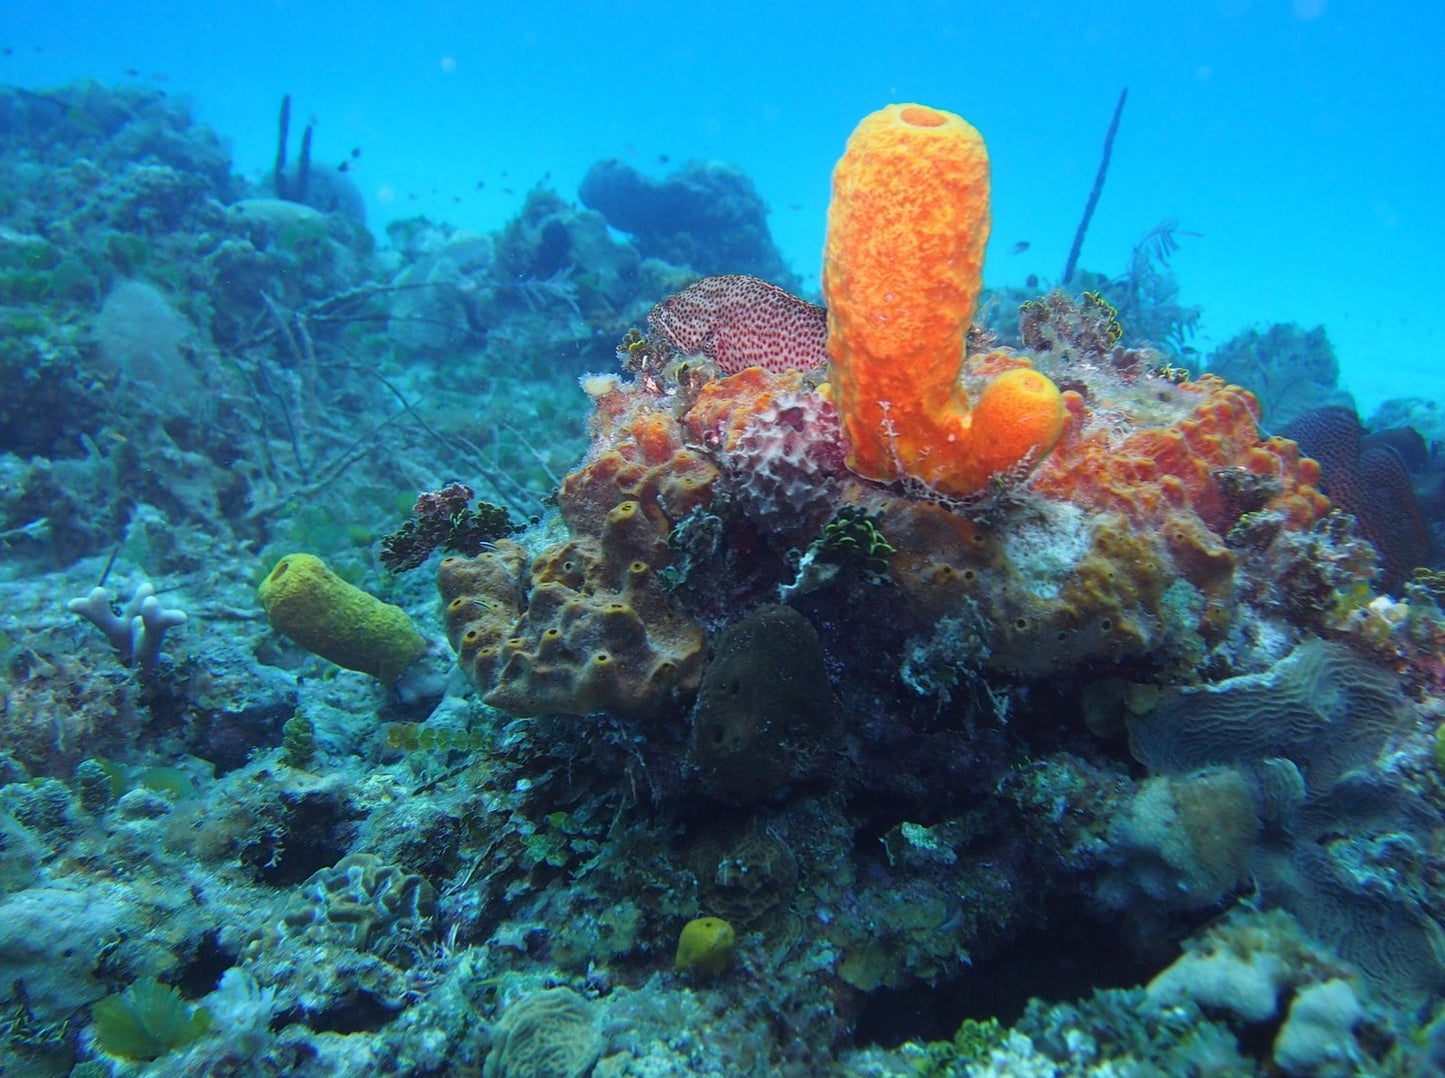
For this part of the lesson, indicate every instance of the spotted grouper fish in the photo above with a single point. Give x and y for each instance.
(739, 321)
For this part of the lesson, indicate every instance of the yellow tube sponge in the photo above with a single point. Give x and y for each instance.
(312, 606)
(902, 271)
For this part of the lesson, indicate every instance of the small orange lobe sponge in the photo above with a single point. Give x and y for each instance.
(902, 272)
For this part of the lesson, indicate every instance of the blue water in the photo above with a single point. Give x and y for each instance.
(1298, 138)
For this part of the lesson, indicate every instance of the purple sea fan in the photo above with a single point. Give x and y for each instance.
(785, 466)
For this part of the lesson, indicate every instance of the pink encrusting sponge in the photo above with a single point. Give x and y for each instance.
(739, 321)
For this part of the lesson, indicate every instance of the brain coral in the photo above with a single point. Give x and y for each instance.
(549, 1034)
(1322, 706)
(362, 900)
(1329, 717)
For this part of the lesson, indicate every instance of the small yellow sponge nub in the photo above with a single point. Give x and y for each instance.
(313, 607)
(705, 947)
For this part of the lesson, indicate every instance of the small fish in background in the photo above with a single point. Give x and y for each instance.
(345, 166)
(7, 51)
(356, 151)
(663, 159)
(133, 72)
(1019, 248)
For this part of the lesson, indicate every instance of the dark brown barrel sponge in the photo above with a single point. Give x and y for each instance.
(765, 716)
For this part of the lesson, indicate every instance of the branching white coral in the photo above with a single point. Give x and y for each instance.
(137, 630)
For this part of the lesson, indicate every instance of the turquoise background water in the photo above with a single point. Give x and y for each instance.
(1300, 139)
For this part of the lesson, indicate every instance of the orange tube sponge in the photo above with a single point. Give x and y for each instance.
(902, 271)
